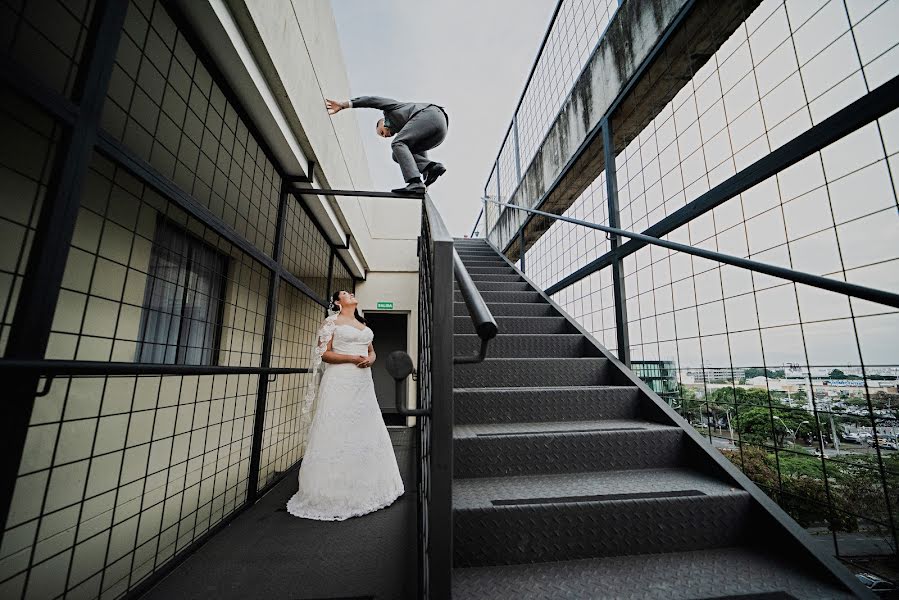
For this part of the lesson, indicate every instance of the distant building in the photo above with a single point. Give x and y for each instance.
(659, 375)
(716, 374)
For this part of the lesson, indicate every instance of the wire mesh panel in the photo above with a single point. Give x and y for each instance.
(306, 251)
(286, 425)
(119, 302)
(342, 279)
(164, 105)
(46, 38)
(25, 166)
(119, 474)
(573, 33)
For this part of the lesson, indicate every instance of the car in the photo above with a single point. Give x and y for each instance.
(878, 585)
(883, 444)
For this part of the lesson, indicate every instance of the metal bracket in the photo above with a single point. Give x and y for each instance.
(48, 383)
(346, 245)
(303, 178)
(356, 193)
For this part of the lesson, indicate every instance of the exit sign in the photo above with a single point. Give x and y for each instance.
(385, 305)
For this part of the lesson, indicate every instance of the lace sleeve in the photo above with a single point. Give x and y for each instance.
(325, 333)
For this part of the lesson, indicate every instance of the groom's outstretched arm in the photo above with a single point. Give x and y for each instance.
(335, 106)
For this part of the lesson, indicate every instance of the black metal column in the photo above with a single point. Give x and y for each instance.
(271, 309)
(330, 289)
(618, 291)
(30, 331)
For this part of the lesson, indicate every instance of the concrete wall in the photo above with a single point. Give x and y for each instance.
(628, 42)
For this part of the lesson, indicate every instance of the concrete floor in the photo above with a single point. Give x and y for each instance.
(267, 553)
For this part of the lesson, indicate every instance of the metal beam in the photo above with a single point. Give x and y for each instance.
(618, 290)
(91, 368)
(824, 283)
(271, 310)
(359, 193)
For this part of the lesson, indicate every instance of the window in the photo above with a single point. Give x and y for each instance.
(181, 319)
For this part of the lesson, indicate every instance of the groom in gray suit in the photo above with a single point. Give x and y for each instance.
(416, 128)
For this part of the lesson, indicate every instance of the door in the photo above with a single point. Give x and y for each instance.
(391, 333)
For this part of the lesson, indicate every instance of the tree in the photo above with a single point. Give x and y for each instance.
(759, 372)
(686, 403)
(756, 425)
(731, 396)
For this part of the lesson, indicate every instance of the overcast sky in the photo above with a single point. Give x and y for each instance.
(470, 56)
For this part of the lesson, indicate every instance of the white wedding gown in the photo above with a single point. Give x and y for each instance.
(349, 468)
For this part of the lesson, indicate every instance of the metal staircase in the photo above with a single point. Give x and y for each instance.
(571, 479)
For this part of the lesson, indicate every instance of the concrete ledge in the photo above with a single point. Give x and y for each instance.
(571, 155)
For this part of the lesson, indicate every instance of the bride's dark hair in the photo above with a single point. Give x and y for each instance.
(335, 298)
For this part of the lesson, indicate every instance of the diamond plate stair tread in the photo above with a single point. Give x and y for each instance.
(695, 575)
(510, 277)
(481, 257)
(476, 430)
(507, 405)
(463, 324)
(500, 297)
(499, 286)
(524, 345)
(472, 493)
(516, 309)
(526, 372)
(497, 268)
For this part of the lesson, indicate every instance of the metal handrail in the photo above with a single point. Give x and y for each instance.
(833, 285)
(91, 368)
(484, 323)
(474, 228)
(51, 369)
(399, 365)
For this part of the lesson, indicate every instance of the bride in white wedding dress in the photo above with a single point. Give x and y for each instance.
(349, 468)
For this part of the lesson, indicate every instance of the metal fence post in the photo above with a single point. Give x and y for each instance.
(621, 331)
(486, 235)
(521, 248)
(516, 147)
(330, 289)
(271, 308)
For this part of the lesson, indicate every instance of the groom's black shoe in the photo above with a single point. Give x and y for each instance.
(413, 188)
(432, 172)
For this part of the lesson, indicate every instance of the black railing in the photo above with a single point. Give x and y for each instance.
(435, 388)
(824, 283)
(438, 264)
(484, 323)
